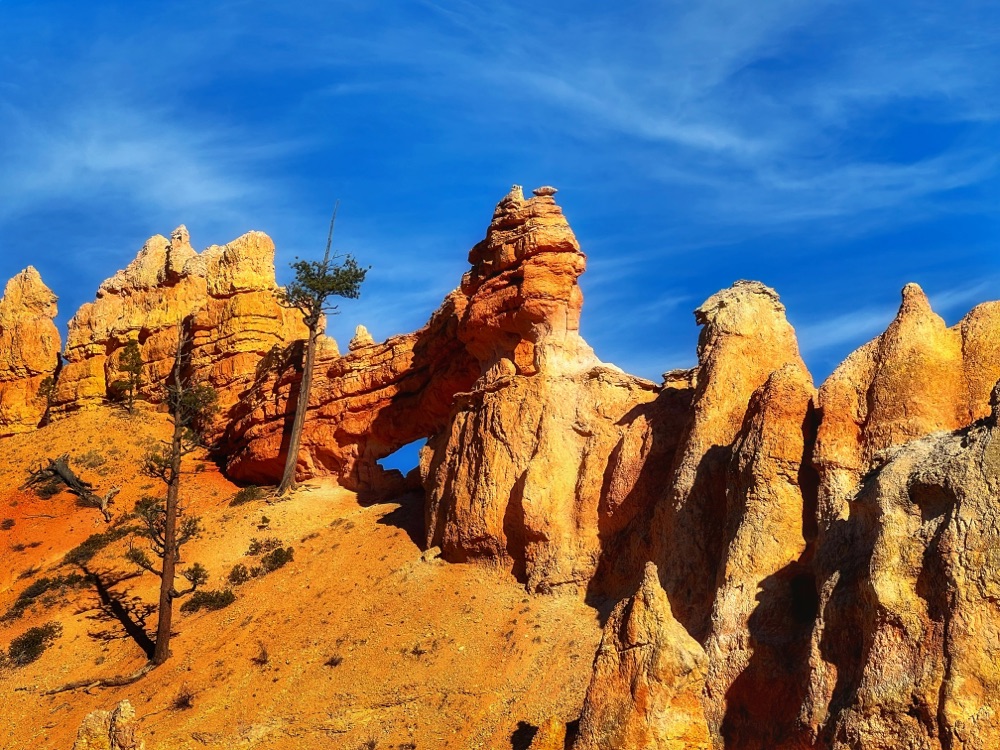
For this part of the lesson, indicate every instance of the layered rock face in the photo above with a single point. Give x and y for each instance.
(542, 462)
(224, 297)
(745, 338)
(29, 351)
(765, 603)
(364, 405)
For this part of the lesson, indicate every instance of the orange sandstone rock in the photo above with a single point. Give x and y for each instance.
(745, 339)
(765, 600)
(225, 297)
(541, 464)
(551, 736)
(905, 642)
(29, 351)
(916, 378)
(364, 405)
(646, 692)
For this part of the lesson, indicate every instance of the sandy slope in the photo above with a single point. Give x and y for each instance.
(367, 644)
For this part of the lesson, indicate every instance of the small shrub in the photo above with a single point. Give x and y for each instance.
(184, 699)
(29, 646)
(210, 600)
(239, 575)
(247, 495)
(334, 661)
(262, 659)
(7, 524)
(83, 552)
(28, 573)
(260, 546)
(91, 460)
(42, 586)
(50, 489)
(276, 559)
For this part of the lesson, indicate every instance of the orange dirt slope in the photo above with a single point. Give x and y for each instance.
(359, 642)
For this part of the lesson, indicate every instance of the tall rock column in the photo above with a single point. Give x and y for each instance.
(29, 351)
(765, 603)
(745, 339)
(539, 464)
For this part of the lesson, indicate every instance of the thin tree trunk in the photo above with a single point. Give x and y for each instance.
(301, 406)
(166, 610)
(165, 613)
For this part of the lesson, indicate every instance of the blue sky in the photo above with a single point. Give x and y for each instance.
(832, 150)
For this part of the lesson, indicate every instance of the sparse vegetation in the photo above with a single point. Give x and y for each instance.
(191, 407)
(334, 661)
(7, 524)
(130, 366)
(261, 546)
(276, 559)
(38, 588)
(239, 575)
(85, 551)
(247, 495)
(91, 460)
(210, 600)
(30, 645)
(184, 699)
(263, 658)
(315, 282)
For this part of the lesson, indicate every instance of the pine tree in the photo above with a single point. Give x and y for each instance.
(315, 282)
(191, 406)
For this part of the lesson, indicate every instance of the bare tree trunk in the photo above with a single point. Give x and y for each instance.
(165, 613)
(301, 406)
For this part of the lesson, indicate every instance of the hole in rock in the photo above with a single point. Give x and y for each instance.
(405, 459)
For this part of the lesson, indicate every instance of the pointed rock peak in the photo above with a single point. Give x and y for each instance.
(913, 300)
(650, 592)
(27, 292)
(516, 195)
(180, 236)
(179, 251)
(361, 339)
(739, 309)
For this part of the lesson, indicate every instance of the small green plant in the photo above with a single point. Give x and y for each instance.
(262, 659)
(261, 546)
(91, 460)
(38, 588)
(247, 495)
(85, 551)
(276, 559)
(207, 599)
(130, 366)
(239, 575)
(184, 699)
(29, 646)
